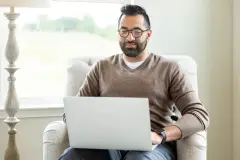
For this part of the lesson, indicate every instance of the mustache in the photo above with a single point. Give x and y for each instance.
(130, 42)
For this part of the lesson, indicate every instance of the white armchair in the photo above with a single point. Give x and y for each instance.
(55, 136)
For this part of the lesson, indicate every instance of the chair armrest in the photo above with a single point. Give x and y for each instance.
(193, 147)
(55, 140)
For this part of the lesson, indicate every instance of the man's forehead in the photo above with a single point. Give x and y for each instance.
(136, 21)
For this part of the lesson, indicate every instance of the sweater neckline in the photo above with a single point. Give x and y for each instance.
(146, 61)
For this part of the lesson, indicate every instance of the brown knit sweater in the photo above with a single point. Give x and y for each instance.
(160, 80)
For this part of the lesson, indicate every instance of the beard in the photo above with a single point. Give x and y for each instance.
(133, 52)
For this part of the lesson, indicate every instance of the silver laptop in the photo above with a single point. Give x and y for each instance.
(108, 123)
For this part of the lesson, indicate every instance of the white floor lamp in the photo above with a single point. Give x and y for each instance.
(11, 53)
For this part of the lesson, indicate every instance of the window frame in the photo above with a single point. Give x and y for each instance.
(99, 1)
(41, 102)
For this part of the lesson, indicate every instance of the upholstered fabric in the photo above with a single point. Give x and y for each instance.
(55, 138)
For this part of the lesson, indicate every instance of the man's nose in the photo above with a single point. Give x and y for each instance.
(130, 37)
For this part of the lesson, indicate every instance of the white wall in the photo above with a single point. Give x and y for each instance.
(202, 30)
(236, 90)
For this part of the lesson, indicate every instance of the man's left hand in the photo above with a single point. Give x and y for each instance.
(156, 138)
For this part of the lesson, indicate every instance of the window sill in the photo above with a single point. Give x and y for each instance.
(36, 111)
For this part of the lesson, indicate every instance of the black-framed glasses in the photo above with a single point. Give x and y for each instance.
(135, 32)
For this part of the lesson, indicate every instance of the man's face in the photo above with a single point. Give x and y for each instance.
(133, 35)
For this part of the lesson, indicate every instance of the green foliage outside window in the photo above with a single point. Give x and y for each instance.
(71, 24)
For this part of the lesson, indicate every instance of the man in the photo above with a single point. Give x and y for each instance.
(138, 73)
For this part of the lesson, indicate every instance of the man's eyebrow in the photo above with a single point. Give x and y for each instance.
(137, 28)
(123, 27)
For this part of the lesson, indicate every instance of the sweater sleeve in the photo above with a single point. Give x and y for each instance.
(194, 116)
(90, 86)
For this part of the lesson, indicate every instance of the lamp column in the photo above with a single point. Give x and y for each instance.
(11, 105)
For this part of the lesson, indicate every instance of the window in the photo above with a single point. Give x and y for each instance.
(48, 38)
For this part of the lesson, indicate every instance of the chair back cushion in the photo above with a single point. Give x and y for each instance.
(79, 67)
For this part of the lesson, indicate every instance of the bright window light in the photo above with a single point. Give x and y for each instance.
(48, 38)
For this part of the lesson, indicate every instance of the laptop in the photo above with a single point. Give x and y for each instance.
(108, 123)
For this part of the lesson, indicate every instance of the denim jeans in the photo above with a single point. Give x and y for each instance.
(165, 151)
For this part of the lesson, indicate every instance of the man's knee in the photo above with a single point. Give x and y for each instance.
(90, 154)
(144, 156)
(160, 153)
(135, 155)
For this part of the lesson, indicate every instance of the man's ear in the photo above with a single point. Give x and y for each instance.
(149, 34)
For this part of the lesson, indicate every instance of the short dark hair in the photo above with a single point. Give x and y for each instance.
(132, 10)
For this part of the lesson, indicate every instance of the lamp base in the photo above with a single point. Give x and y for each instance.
(12, 150)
